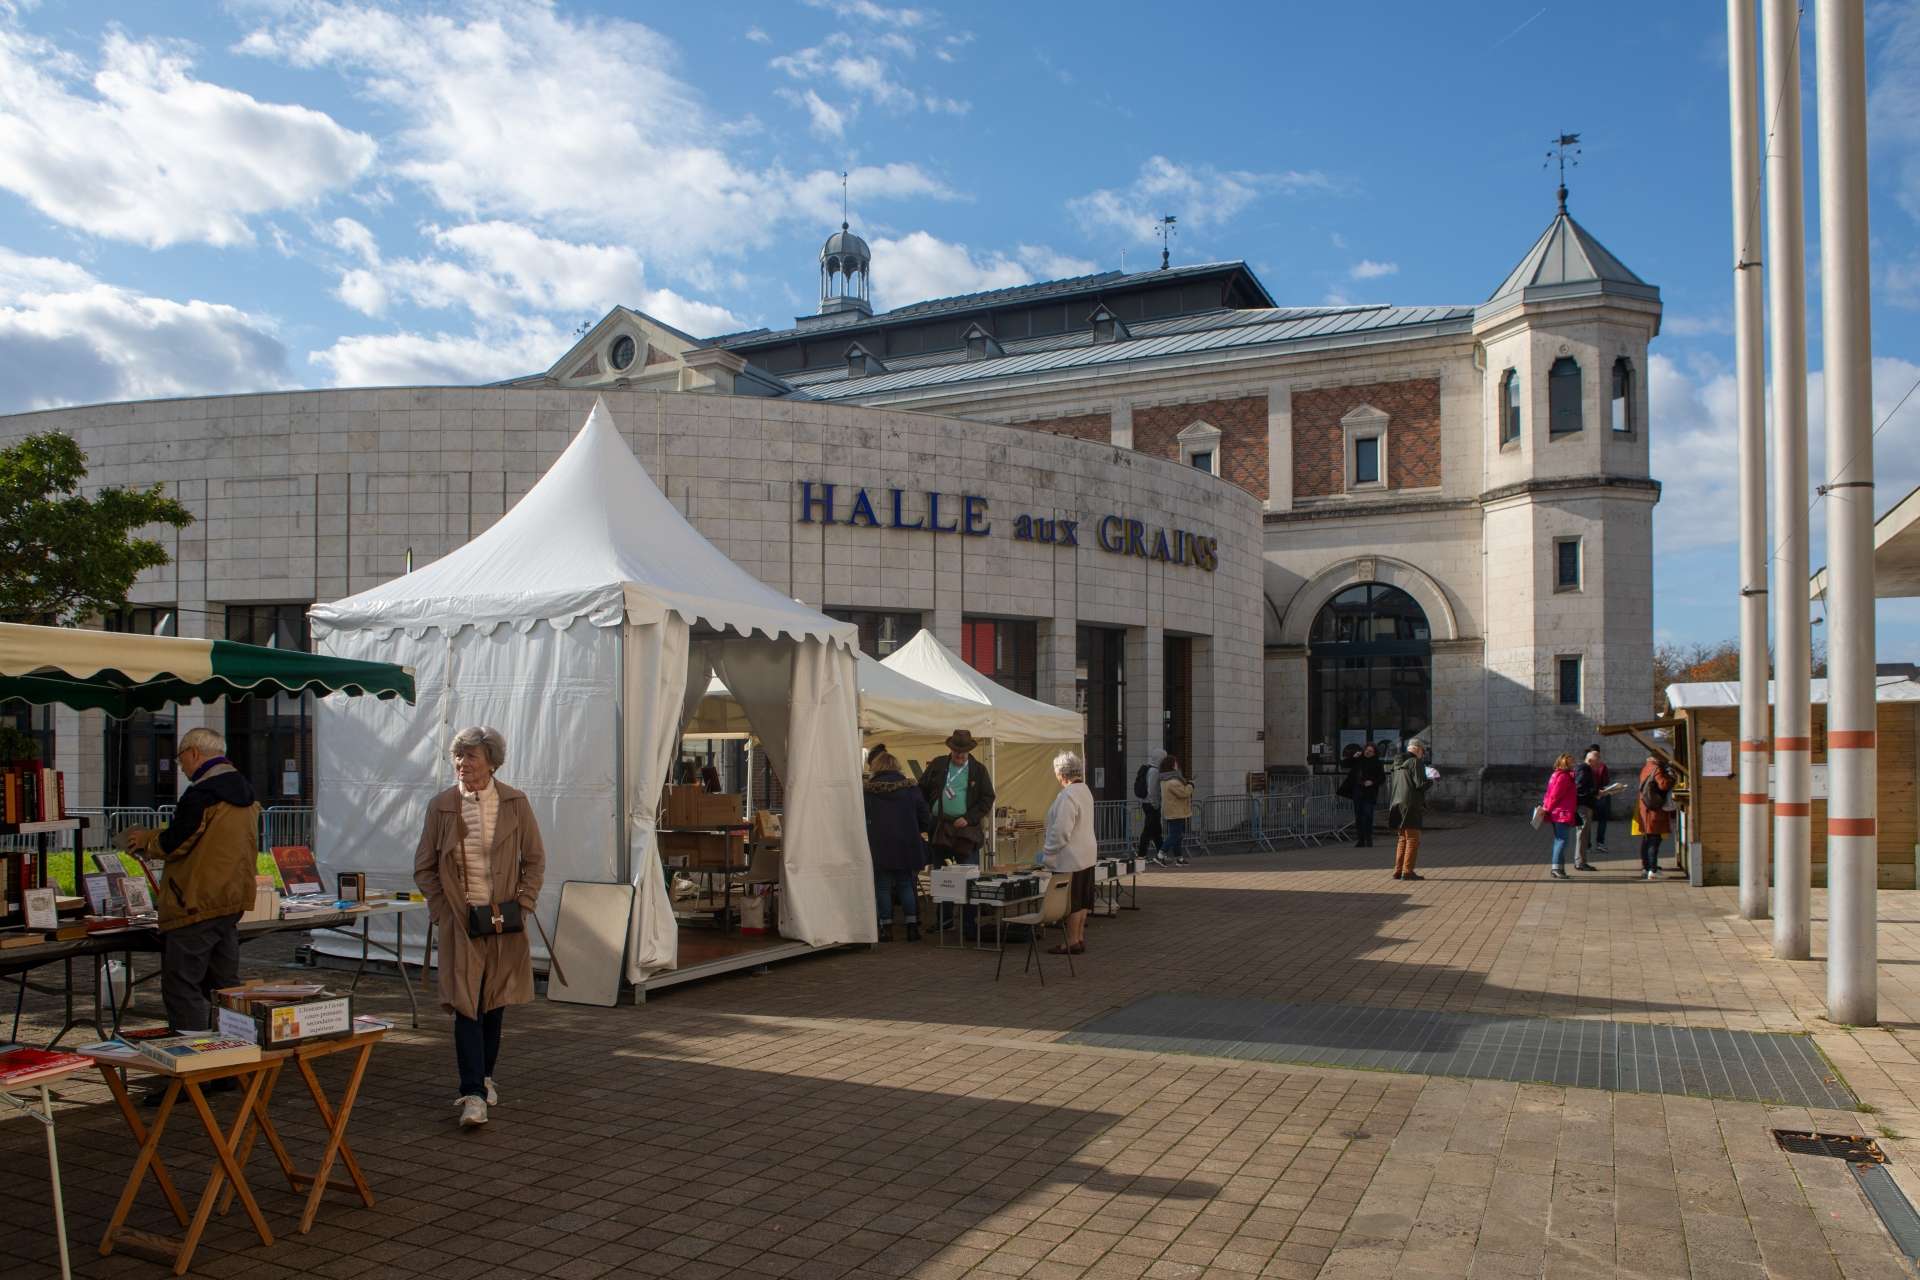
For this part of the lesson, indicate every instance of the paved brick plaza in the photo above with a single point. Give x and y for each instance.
(897, 1113)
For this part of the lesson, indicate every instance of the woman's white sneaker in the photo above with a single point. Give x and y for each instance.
(473, 1111)
(493, 1096)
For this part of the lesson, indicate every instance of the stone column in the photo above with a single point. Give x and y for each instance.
(1280, 447)
(1145, 697)
(1121, 425)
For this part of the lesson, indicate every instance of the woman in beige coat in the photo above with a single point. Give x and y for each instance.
(480, 848)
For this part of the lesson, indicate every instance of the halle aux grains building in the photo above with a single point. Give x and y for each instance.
(1247, 533)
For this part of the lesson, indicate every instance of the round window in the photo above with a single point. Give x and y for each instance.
(621, 354)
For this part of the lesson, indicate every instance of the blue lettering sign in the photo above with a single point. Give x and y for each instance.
(899, 523)
(973, 510)
(808, 501)
(863, 506)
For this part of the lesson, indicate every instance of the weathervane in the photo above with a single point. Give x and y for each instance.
(1166, 239)
(843, 199)
(1566, 150)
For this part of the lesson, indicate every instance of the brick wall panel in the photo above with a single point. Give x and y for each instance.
(1242, 422)
(1413, 434)
(1084, 426)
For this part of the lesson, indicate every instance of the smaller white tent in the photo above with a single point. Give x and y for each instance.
(890, 703)
(1022, 735)
(578, 624)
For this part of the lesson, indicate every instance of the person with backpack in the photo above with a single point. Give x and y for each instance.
(1146, 789)
(1590, 780)
(1652, 813)
(1365, 776)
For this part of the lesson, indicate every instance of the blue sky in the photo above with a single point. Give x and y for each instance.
(206, 197)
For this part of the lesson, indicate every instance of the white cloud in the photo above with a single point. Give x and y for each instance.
(524, 113)
(1199, 195)
(758, 36)
(1368, 269)
(919, 266)
(69, 338)
(1695, 441)
(136, 148)
(354, 237)
(868, 11)
(816, 196)
(440, 359)
(1681, 325)
(825, 119)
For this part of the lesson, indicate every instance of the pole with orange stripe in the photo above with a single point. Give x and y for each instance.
(1852, 714)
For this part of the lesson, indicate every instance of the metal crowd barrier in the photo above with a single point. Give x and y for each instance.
(1113, 824)
(286, 825)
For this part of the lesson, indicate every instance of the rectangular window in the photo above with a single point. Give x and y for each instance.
(1201, 460)
(1566, 564)
(137, 754)
(1366, 460)
(270, 739)
(1563, 397)
(880, 632)
(1569, 669)
(1005, 652)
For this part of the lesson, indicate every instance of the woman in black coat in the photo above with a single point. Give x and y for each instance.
(897, 818)
(1365, 774)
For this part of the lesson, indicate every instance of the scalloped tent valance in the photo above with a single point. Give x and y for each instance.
(594, 539)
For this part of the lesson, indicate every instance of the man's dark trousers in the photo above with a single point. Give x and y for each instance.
(196, 960)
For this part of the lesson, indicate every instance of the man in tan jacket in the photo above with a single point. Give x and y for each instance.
(209, 852)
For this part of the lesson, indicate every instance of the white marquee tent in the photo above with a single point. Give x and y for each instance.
(584, 625)
(890, 703)
(1022, 734)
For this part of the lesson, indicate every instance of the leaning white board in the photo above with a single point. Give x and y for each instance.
(590, 942)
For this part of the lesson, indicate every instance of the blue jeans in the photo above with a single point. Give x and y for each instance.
(1562, 832)
(476, 1047)
(890, 887)
(1176, 836)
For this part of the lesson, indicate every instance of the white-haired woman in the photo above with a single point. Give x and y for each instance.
(1071, 846)
(479, 856)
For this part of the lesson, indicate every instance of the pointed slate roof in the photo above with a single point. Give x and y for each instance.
(1566, 262)
(594, 539)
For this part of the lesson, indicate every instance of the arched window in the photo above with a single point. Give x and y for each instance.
(1509, 406)
(1563, 397)
(1369, 670)
(1623, 396)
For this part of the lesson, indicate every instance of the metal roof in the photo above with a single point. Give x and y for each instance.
(1226, 330)
(1069, 287)
(1566, 261)
(1726, 693)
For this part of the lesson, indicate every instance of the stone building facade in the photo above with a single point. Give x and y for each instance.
(1456, 500)
(314, 495)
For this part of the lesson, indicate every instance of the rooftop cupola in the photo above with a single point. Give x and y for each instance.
(846, 270)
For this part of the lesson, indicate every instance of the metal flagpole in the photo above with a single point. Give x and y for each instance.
(1787, 336)
(1852, 844)
(1750, 381)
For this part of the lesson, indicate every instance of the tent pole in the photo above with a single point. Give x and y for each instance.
(748, 788)
(624, 853)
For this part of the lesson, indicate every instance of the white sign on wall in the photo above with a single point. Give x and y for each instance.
(1716, 759)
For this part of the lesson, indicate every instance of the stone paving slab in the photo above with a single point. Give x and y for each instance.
(896, 1112)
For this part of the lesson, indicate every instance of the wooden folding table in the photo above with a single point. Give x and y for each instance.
(233, 1143)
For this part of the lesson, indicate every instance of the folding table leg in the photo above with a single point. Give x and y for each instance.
(116, 1084)
(336, 1122)
(259, 1122)
(224, 1146)
(149, 1147)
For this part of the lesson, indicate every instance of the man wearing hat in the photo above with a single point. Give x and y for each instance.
(960, 799)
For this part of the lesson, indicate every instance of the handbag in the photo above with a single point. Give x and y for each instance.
(1539, 815)
(486, 921)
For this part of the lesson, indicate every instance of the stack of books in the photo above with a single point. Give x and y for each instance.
(181, 1054)
(20, 1065)
(31, 792)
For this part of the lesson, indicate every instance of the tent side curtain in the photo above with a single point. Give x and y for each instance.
(120, 673)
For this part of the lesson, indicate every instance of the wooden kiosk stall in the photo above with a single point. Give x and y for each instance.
(1707, 716)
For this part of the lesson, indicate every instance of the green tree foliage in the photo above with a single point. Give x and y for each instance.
(65, 556)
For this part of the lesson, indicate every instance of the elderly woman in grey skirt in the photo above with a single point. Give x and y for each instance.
(1071, 846)
(480, 849)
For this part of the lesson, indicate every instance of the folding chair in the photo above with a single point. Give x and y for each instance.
(1053, 910)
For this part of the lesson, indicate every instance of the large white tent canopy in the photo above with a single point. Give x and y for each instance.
(584, 625)
(1021, 735)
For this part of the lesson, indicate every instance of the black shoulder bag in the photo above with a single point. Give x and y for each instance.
(488, 920)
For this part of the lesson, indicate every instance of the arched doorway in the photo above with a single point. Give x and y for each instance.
(1369, 670)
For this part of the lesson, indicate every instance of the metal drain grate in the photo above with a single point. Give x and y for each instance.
(1841, 1146)
(1630, 1057)
(1868, 1163)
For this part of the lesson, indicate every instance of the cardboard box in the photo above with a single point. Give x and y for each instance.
(278, 1024)
(718, 810)
(680, 805)
(705, 850)
(949, 884)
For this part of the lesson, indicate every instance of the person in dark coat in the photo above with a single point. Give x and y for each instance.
(896, 824)
(1590, 780)
(959, 796)
(1366, 774)
(1407, 809)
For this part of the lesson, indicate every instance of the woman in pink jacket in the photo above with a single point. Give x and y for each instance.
(1562, 808)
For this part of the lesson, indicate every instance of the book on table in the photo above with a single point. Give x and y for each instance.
(298, 871)
(21, 1065)
(182, 1054)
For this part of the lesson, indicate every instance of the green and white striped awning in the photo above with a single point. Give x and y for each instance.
(120, 673)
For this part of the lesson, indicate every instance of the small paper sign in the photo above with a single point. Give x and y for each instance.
(42, 909)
